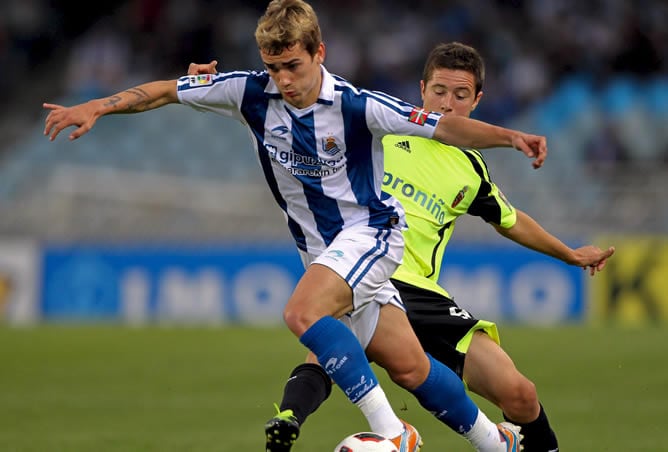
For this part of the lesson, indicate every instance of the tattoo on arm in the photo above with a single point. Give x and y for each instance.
(141, 99)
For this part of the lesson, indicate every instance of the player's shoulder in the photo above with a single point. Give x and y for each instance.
(472, 155)
(374, 98)
(260, 78)
(414, 140)
(476, 160)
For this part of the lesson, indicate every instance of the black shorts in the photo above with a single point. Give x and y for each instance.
(443, 328)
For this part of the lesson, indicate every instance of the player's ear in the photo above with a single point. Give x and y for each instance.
(422, 87)
(320, 53)
(476, 101)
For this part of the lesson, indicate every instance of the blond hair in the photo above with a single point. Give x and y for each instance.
(286, 23)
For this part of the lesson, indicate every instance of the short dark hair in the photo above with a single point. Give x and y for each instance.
(456, 56)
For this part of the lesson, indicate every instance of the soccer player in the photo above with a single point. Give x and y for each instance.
(451, 84)
(436, 184)
(318, 140)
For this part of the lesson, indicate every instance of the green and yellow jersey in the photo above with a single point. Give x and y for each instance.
(436, 184)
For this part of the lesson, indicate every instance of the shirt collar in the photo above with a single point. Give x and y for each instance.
(326, 95)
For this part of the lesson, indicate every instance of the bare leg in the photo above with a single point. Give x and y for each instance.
(490, 373)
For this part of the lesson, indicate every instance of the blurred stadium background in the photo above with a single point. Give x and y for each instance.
(163, 218)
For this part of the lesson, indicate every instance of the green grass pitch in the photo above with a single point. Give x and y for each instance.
(106, 388)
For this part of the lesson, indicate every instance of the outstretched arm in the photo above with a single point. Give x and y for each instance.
(458, 130)
(466, 132)
(83, 116)
(529, 233)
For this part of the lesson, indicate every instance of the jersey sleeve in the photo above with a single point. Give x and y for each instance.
(389, 115)
(220, 93)
(490, 203)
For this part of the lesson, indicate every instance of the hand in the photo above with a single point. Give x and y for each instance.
(533, 146)
(592, 258)
(82, 116)
(197, 69)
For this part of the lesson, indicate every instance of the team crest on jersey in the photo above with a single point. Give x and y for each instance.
(330, 146)
(200, 80)
(460, 196)
(418, 116)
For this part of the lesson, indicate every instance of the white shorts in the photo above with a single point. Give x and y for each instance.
(365, 258)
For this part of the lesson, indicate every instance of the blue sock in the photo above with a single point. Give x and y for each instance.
(341, 355)
(443, 394)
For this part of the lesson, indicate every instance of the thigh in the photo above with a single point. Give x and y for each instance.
(488, 369)
(394, 345)
(364, 319)
(320, 292)
(351, 273)
(365, 258)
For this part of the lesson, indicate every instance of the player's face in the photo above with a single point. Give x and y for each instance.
(296, 74)
(451, 92)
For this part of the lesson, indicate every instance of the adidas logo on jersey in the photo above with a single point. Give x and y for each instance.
(405, 145)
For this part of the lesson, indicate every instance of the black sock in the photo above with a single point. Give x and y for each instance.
(538, 435)
(306, 389)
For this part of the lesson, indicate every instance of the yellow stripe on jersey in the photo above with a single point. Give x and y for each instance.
(436, 184)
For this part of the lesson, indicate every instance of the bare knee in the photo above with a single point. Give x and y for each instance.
(408, 380)
(520, 400)
(298, 320)
(409, 375)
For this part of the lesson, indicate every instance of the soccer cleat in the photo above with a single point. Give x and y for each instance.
(409, 440)
(281, 431)
(510, 433)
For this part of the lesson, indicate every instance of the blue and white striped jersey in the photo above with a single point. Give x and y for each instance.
(323, 163)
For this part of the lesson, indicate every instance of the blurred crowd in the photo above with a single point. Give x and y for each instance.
(591, 75)
(381, 44)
